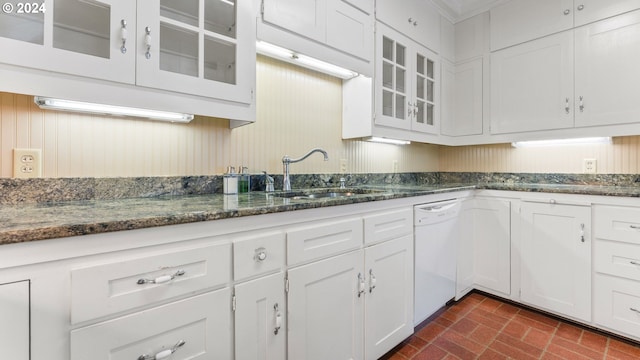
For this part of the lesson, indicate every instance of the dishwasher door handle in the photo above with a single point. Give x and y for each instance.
(437, 208)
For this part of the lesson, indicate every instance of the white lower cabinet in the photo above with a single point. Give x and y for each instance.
(325, 306)
(261, 319)
(15, 323)
(194, 328)
(555, 256)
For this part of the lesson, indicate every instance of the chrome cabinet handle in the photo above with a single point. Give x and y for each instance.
(582, 232)
(161, 279)
(164, 353)
(147, 41)
(360, 285)
(278, 317)
(123, 36)
(372, 281)
(580, 7)
(581, 104)
(634, 263)
(635, 310)
(566, 105)
(567, 12)
(635, 227)
(413, 22)
(261, 254)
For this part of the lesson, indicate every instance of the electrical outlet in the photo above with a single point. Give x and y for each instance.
(27, 163)
(589, 166)
(343, 166)
(394, 166)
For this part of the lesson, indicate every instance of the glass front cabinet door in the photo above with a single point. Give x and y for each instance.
(407, 82)
(199, 47)
(92, 38)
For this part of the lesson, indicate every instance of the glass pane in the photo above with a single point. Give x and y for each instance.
(185, 11)
(430, 90)
(387, 48)
(420, 64)
(430, 69)
(400, 109)
(387, 103)
(429, 114)
(387, 75)
(420, 115)
(22, 27)
(178, 50)
(419, 87)
(82, 26)
(220, 17)
(400, 50)
(400, 80)
(219, 60)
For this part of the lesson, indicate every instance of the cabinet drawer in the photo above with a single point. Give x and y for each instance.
(257, 255)
(202, 322)
(617, 223)
(120, 285)
(617, 304)
(388, 225)
(619, 259)
(323, 239)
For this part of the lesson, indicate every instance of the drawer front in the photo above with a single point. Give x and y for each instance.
(617, 223)
(203, 322)
(616, 258)
(617, 304)
(123, 285)
(258, 255)
(388, 225)
(320, 240)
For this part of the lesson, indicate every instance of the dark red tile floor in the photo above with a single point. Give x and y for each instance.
(482, 327)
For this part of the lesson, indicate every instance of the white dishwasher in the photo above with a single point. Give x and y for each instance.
(435, 256)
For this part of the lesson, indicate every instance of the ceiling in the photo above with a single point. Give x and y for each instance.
(458, 10)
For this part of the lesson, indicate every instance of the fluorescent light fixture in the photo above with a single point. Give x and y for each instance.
(387, 140)
(292, 57)
(68, 105)
(560, 142)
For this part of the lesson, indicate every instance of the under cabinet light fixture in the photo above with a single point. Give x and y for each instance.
(92, 108)
(560, 142)
(309, 62)
(387, 140)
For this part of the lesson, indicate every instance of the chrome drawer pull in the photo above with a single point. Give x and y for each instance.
(372, 281)
(635, 310)
(162, 354)
(147, 42)
(635, 227)
(278, 315)
(634, 263)
(123, 36)
(360, 285)
(260, 254)
(161, 279)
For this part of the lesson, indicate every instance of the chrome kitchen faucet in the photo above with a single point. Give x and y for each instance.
(286, 160)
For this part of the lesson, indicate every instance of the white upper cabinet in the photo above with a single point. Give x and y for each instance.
(471, 37)
(518, 21)
(199, 47)
(607, 58)
(336, 31)
(532, 85)
(407, 83)
(94, 39)
(417, 19)
(462, 101)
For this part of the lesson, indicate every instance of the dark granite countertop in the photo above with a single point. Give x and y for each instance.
(30, 221)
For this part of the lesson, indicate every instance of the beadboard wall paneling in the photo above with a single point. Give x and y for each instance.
(620, 157)
(297, 110)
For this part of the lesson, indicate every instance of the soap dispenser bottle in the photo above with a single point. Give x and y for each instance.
(230, 181)
(244, 180)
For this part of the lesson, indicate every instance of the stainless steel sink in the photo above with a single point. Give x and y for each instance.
(324, 193)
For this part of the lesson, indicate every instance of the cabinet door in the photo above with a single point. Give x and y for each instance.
(518, 21)
(425, 82)
(325, 308)
(14, 326)
(607, 57)
(349, 29)
(417, 19)
(87, 38)
(197, 47)
(587, 11)
(556, 258)
(532, 85)
(261, 320)
(392, 79)
(307, 18)
(492, 238)
(389, 295)
(463, 85)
